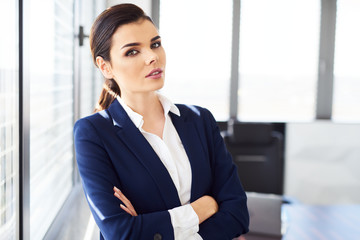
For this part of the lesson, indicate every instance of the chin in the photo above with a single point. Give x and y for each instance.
(153, 85)
(160, 84)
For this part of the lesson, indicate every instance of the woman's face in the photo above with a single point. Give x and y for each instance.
(137, 58)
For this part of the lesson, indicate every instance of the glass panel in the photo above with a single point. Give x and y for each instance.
(90, 79)
(51, 110)
(278, 59)
(346, 105)
(9, 124)
(198, 53)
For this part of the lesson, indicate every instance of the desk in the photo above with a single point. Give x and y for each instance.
(337, 222)
(308, 222)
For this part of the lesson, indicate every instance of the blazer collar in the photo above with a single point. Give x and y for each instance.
(137, 119)
(130, 135)
(136, 142)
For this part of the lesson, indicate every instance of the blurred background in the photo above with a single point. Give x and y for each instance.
(288, 63)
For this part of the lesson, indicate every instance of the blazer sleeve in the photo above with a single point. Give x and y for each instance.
(232, 219)
(98, 178)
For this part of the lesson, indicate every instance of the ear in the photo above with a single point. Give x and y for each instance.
(104, 67)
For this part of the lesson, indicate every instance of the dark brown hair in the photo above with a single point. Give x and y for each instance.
(101, 34)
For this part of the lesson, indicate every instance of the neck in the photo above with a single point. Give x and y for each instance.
(145, 104)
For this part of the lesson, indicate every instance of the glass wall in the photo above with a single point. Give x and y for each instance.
(51, 110)
(198, 53)
(9, 124)
(51, 66)
(346, 105)
(90, 78)
(279, 45)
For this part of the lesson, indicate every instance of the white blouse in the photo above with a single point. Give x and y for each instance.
(171, 152)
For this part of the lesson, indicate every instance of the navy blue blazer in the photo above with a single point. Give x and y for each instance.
(111, 151)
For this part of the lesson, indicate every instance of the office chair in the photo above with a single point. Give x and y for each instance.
(258, 151)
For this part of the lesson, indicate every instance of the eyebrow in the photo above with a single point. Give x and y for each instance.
(137, 44)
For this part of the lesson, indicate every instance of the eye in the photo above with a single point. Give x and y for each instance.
(156, 44)
(131, 52)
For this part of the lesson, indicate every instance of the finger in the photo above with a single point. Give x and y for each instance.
(129, 210)
(124, 199)
(121, 196)
(129, 206)
(126, 209)
(133, 212)
(116, 189)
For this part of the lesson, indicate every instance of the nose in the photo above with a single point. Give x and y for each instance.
(151, 58)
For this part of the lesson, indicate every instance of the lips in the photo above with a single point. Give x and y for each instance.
(155, 73)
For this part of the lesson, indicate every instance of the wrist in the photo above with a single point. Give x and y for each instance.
(204, 207)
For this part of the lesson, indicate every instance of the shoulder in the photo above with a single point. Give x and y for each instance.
(93, 121)
(195, 113)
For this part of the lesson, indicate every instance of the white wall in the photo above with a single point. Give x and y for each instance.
(323, 162)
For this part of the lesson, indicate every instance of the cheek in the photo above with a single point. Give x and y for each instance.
(129, 68)
(163, 57)
(129, 73)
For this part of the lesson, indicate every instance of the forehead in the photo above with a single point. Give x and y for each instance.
(141, 31)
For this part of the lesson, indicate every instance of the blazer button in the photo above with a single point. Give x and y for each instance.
(157, 236)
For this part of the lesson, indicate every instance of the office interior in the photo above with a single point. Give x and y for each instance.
(281, 77)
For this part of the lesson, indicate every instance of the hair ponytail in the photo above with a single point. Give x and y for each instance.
(100, 37)
(108, 94)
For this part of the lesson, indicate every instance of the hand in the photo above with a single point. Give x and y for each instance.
(205, 207)
(240, 238)
(128, 206)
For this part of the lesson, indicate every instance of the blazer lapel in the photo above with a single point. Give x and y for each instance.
(192, 144)
(136, 142)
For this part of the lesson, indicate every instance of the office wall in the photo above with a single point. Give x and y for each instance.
(323, 162)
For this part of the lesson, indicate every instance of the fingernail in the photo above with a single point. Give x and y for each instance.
(115, 188)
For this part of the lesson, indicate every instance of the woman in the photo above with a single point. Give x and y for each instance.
(151, 169)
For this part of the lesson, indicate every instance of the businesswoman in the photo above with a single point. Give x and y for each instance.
(151, 169)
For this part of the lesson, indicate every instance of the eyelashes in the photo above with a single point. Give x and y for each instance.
(131, 52)
(134, 52)
(156, 44)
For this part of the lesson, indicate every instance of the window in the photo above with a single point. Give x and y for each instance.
(197, 41)
(9, 125)
(90, 78)
(346, 105)
(51, 110)
(278, 60)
